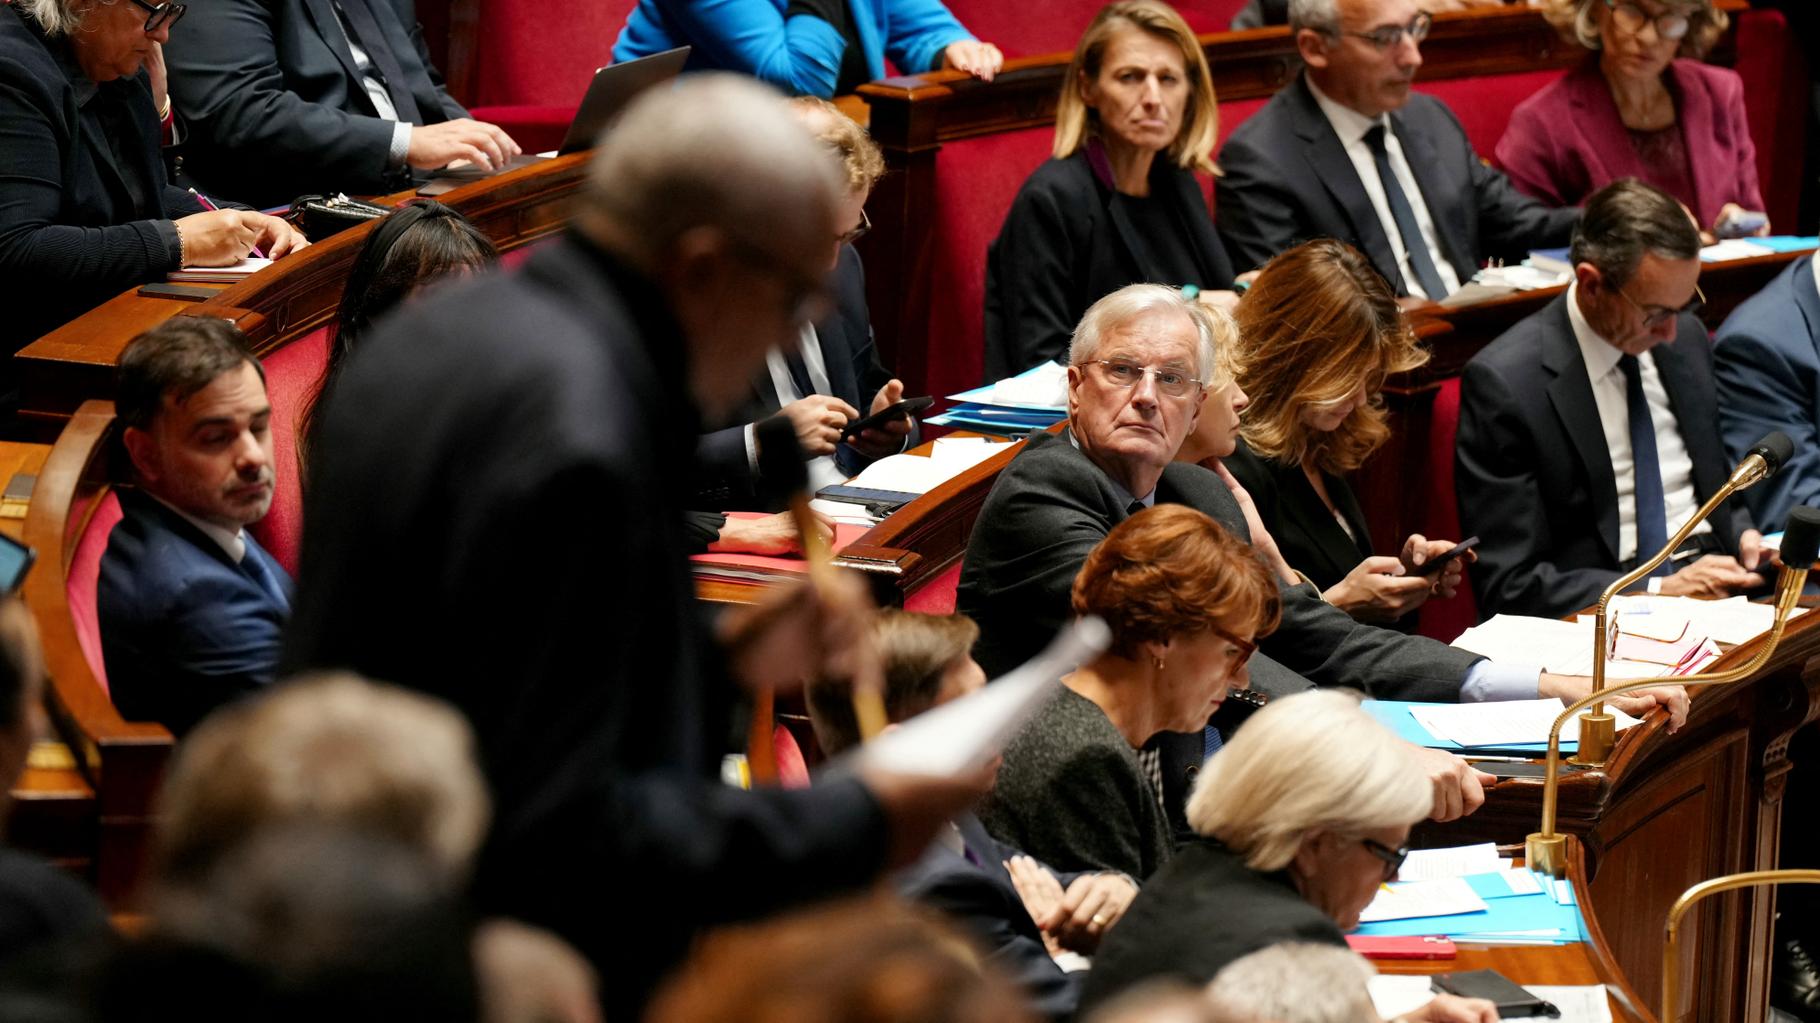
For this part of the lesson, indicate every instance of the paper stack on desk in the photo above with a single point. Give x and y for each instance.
(1511, 727)
(1730, 621)
(1035, 399)
(1565, 648)
(219, 274)
(764, 569)
(1519, 909)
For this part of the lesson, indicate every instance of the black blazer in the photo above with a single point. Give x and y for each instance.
(1533, 475)
(1199, 913)
(71, 236)
(1068, 242)
(981, 898)
(1288, 179)
(511, 511)
(273, 103)
(1052, 505)
(1305, 531)
(855, 375)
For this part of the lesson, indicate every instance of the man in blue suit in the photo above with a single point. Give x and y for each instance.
(1766, 364)
(190, 606)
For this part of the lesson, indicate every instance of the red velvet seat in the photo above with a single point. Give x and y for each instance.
(1775, 102)
(936, 597)
(291, 375)
(533, 60)
(84, 575)
(1012, 28)
(1483, 103)
(1445, 619)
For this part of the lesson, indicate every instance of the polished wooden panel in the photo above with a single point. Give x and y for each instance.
(295, 296)
(121, 761)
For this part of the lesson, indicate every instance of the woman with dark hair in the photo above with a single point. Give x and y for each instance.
(422, 242)
(1319, 331)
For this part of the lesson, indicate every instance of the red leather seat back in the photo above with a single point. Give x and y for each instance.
(1775, 101)
(1445, 619)
(543, 52)
(792, 769)
(1483, 103)
(1012, 29)
(84, 574)
(936, 597)
(291, 375)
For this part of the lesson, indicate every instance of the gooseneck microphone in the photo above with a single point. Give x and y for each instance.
(1763, 460)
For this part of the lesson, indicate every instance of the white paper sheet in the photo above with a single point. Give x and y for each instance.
(1398, 994)
(962, 736)
(1444, 897)
(1732, 620)
(1503, 723)
(917, 474)
(1553, 645)
(1456, 861)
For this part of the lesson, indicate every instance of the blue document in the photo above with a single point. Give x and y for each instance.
(1394, 715)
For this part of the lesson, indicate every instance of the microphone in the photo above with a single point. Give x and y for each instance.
(1763, 460)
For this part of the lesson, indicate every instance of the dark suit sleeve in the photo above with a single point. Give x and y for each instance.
(1035, 257)
(869, 370)
(40, 256)
(226, 78)
(1017, 956)
(1253, 207)
(1766, 384)
(219, 643)
(723, 472)
(407, 16)
(1496, 479)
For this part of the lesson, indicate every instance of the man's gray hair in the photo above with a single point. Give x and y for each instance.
(55, 17)
(1138, 300)
(716, 150)
(1626, 219)
(1320, 15)
(1295, 983)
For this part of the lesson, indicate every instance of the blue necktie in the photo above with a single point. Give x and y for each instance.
(254, 563)
(1652, 517)
(1426, 274)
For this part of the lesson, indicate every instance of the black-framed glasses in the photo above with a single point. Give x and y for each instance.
(865, 224)
(1125, 374)
(1393, 858)
(1246, 647)
(1390, 36)
(158, 16)
(1656, 316)
(1670, 25)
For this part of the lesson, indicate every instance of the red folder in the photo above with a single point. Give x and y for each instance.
(1430, 946)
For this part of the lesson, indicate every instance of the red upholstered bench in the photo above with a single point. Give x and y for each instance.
(85, 574)
(937, 596)
(533, 60)
(1483, 102)
(1445, 619)
(1024, 31)
(291, 375)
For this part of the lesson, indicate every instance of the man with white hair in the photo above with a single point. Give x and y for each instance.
(500, 524)
(1348, 151)
(1296, 982)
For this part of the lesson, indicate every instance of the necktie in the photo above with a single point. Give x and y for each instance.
(366, 29)
(1133, 508)
(1426, 274)
(799, 373)
(253, 563)
(1652, 518)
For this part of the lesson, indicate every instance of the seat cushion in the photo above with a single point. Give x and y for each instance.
(1445, 619)
(936, 597)
(292, 374)
(84, 574)
(1483, 102)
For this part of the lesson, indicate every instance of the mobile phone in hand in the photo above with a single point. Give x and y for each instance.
(1435, 564)
(905, 408)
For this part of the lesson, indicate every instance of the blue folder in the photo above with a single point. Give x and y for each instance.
(1537, 912)
(1394, 715)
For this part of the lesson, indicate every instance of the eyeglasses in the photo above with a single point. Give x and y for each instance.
(1670, 25)
(1246, 647)
(1393, 858)
(1123, 374)
(865, 224)
(1656, 317)
(158, 16)
(1391, 36)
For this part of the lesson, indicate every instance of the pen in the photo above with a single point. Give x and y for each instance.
(211, 207)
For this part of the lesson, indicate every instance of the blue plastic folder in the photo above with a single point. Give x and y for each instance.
(1516, 914)
(1787, 242)
(1394, 715)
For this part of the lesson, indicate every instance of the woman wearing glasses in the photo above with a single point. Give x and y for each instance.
(1119, 203)
(1642, 106)
(1186, 603)
(85, 209)
(1301, 817)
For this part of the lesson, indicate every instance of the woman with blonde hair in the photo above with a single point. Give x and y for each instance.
(1642, 105)
(1119, 203)
(1320, 331)
(1300, 818)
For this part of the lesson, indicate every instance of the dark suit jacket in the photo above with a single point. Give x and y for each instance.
(1288, 179)
(982, 899)
(510, 511)
(274, 106)
(1201, 912)
(1052, 505)
(1070, 241)
(1534, 477)
(71, 236)
(1766, 362)
(855, 374)
(183, 628)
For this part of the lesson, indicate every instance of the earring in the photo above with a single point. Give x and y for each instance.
(1159, 664)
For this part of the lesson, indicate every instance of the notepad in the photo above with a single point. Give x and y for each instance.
(1454, 861)
(219, 274)
(1447, 896)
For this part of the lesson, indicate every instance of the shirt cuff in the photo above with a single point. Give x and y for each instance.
(173, 245)
(396, 157)
(1491, 682)
(751, 435)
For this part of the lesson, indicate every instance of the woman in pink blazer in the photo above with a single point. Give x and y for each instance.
(1640, 107)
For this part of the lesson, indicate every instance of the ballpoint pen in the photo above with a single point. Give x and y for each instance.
(211, 207)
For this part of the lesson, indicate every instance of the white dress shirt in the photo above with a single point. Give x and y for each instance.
(1351, 126)
(233, 542)
(822, 470)
(1614, 415)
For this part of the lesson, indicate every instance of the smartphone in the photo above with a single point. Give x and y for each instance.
(1740, 225)
(16, 559)
(905, 408)
(1435, 564)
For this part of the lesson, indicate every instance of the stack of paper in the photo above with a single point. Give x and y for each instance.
(763, 569)
(1565, 648)
(219, 274)
(1035, 399)
(1730, 621)
(917, 474)
(1519, 909)
(1513, 727)
(1446, 896)
(1455, 861)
